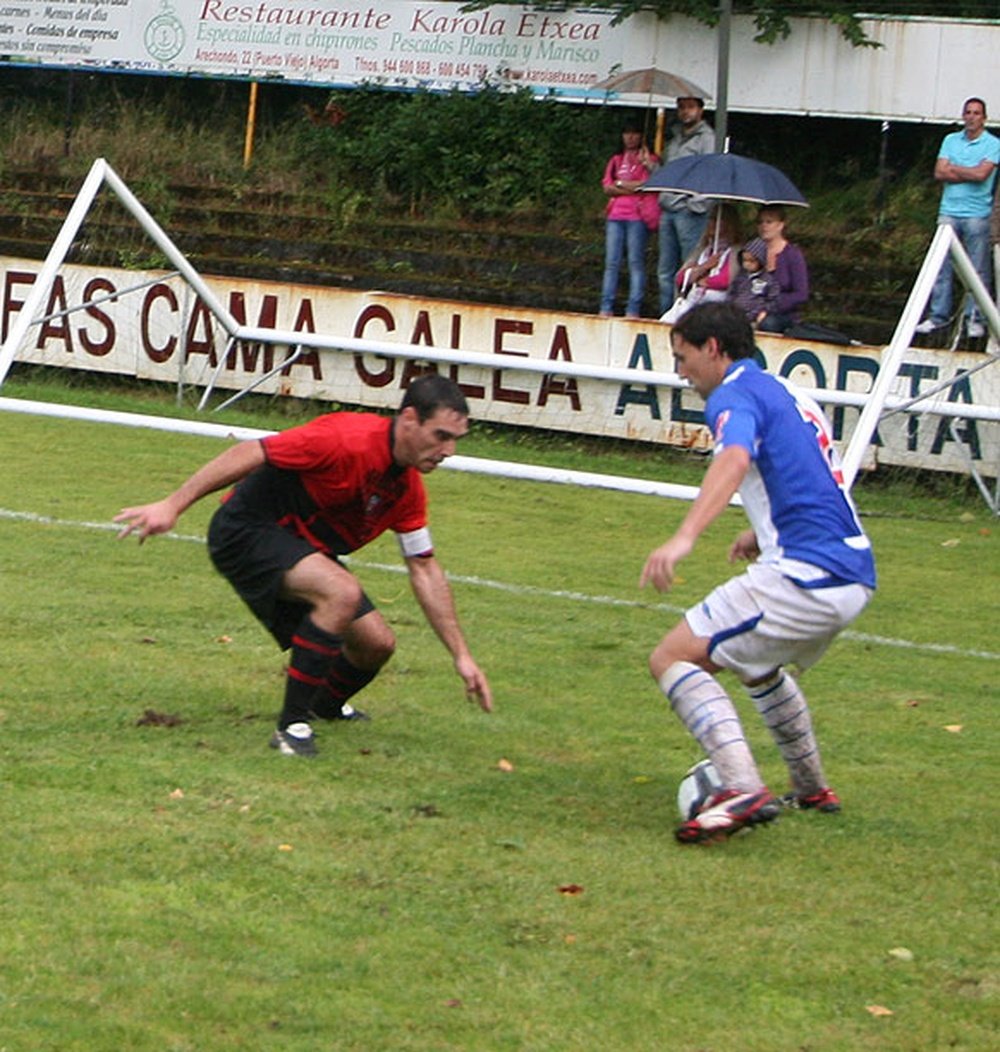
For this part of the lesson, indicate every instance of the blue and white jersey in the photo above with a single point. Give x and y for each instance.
(794, 492)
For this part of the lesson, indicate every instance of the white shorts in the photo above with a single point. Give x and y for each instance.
(761, 620)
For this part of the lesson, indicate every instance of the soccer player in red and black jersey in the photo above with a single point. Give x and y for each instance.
(302, 498)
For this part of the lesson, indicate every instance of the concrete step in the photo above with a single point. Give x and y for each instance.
(275, 236)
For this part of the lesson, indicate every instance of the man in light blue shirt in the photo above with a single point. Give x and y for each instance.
(966, 165)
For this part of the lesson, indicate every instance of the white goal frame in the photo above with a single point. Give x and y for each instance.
(873, 405)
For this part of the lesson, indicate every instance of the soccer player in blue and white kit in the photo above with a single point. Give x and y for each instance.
(812, 573)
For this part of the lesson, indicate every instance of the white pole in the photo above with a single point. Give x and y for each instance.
(169, 249)
(43, 283)
(504, 468)
(722, 77)
(974, 283)
(892, 356)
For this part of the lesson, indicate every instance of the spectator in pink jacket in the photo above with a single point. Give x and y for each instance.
(629, 215)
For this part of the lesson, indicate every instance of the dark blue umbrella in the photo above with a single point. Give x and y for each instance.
(727, 176)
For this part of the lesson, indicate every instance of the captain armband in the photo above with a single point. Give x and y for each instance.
(415, 543)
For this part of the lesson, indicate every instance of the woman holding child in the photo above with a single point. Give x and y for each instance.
(787, 264)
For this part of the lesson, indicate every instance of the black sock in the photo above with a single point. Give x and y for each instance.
(343, 681)
(313, 653)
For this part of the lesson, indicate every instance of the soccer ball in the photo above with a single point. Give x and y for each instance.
(696, 787)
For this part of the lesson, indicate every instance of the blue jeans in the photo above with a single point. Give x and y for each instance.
(975, 237)
(680, 233)
(775, 322)
(624, 236)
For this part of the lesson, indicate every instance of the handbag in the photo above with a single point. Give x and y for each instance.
(649, 208)
(688, 296)
(681, 305)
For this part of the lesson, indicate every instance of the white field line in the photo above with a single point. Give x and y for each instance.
(523, 589)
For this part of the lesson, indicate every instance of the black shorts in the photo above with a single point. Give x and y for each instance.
(254, 555)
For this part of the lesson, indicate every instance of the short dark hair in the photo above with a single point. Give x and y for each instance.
(693, 98)
(725, 321)
(775, 210)
(975, 98)
(431, 392)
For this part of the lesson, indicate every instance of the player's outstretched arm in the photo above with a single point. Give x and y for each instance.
(434, 595)
(161, 515)
(721, 481)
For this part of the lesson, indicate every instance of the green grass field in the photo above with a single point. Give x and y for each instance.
(176, 886)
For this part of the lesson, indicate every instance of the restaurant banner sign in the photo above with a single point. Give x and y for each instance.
(552, 50)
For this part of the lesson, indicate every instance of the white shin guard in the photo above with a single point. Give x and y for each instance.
(709, 714)
(785, 712)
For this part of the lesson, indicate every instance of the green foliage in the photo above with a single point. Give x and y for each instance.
(401, 891)
(501, 163)
(484, 155)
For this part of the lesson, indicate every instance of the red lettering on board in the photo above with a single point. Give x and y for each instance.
(11, 306)
(305, 322)
(200, 322)
(412, 370)
(153, 294)
(386, 376)
(501, 328)
(566, 386)
(422, 329)
(250, 351)
(469, 390)
(56, 328)
(105, 345)
(422, 334)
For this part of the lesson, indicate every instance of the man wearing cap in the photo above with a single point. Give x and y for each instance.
(682, 216)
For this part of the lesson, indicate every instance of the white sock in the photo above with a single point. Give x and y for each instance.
(784, 709)
(709, 714)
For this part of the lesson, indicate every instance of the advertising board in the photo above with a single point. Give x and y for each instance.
(552, 50)
(152, 326)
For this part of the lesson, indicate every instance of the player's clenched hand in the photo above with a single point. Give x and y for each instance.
(147, 519)
(477, 687)
(744, 547)
(662, 562)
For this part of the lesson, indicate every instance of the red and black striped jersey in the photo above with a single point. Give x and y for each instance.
(334, 482)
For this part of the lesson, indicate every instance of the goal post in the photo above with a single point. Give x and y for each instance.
(944, 243)
(884, 398)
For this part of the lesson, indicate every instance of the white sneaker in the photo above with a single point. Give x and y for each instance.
(975, 329)
(296, 739)
(927, 326)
